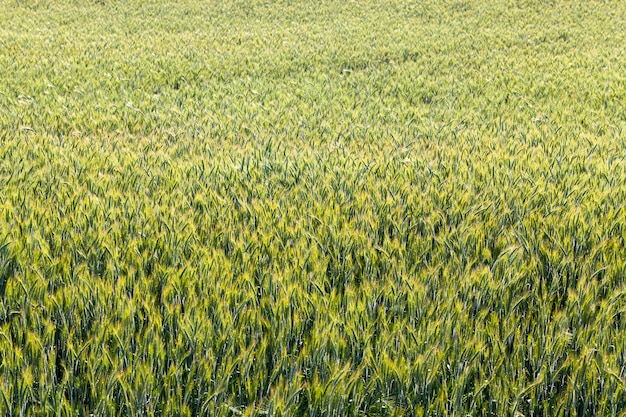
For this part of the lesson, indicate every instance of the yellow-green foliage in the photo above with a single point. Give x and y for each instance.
(296, 208)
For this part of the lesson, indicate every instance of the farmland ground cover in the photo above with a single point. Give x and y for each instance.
(312, 208)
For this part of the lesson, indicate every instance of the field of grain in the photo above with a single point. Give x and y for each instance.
(330, 208)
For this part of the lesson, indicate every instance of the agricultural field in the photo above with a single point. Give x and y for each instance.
(297, 208)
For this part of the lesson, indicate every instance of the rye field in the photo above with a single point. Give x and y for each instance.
(312, 208)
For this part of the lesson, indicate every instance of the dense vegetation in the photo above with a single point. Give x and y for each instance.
(312, 208)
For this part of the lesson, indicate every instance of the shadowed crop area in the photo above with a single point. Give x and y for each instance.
(296, 208)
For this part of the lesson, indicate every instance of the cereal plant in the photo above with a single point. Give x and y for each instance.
(290, 208)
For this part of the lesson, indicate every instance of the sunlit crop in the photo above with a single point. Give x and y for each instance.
(331, 208)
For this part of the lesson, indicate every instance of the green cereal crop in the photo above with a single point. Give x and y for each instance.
(331, 208)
